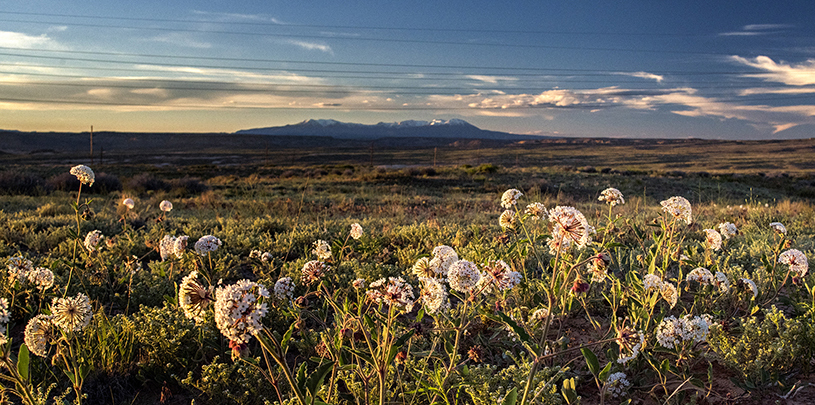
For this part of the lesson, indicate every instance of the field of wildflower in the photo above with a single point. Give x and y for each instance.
(449, 285)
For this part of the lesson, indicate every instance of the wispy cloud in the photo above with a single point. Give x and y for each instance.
(644, 75)
(181, 39)
(802, 74)
(237, 16)
(491, 79)
(758, 29)
(311, 46)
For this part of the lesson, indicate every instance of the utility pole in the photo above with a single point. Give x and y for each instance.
(435, 150)
(372, 154)
(91, 144)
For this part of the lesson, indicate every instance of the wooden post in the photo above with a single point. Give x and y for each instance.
(91, 144)
(435, 151)
(372, 154)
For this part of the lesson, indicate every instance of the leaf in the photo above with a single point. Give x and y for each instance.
(605, 372)
(515, 328)
(284, 343)
(317, 377)
(511, 397)
(362, 355)
(398, 345)
(22, 362)
(301, 376)
(568, 391)
(591, 360)
(420, 315)
(665, 366)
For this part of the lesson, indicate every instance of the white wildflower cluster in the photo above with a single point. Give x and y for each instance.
(463, 276)
(539, 315)
(207, 244)
(166, 247)
(19, 268)
(598, 267)
(713, 240)
(700, 275)
(356, 231)
(679, 208)
(536, 211)
(667, 290)
(165, 206)
(508, 219)
(497, 276)
(672, 331)
(39, 332)
(42, 278)
(194, 298)
(569, 227)
(284, 289)
(393, 291)
(630, 343)
(617, 385)
(778, 227)
(433, 296)
(84, 174)
(322, 249)
(92, 239)
(71, 314)
(180, 245)
(510, 198)
(129, 203)
(437, 267)
(611, 196)
(358, 283)
(239, 309)
(260, 255)
(4, 318)
(728, 230)
(796, 260)
(314, 271)
(751, 285)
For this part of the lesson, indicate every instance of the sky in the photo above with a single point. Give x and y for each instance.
(642, 69)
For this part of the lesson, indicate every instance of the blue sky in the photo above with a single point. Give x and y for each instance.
(705, 69)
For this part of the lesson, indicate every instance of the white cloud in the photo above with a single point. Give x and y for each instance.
(491, 79)
(802, 74)
(237, 16)
(181, 39)
(12, 39)
(311, 46)
(644, 75)
(758, 29)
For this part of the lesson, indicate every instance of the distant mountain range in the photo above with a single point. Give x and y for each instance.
(447, 129)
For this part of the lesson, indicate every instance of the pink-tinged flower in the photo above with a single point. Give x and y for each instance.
(569, 227)
(393, 291)
(510, 198)
(356, 230)
(679, 208)
(713, 240)
(612, 196)
(796, 260)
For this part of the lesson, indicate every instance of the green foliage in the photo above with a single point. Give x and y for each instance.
(238, 382)
(488, 384)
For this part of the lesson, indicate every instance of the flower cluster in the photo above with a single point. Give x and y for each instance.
(194, 298)
(39, 332)
(166, 247)
(433, 296)
(569, 227)
(180, 245)
(84, 174)
(165, 206)
(497, 276)
(667, 290)
(260, 255)
(728, 230)
(322, 249)
(42, 278)
(536, 211)
(796, 260)
(630, 344)
(700, 275)
(463, 276)
(239, 308)
(4, 318)
(510, 198)
(713, 240)
(92, 240)
(207, 244)
(356, 230)
(672, 331)
(679, 208)
(778, 227)
(508, 219)
(284, 289)
(19, 268)
(612, 196)
(128, 202)
(313, 271)
(71, 314)
(751, 285)
(617, 384)
(394, 292)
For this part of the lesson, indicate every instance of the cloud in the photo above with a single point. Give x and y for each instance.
(237, 16)
(758, 29)
(311, 46)
(12, 39)
(491, 79)
(643, 75)
(181, 39)
(802, 74)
